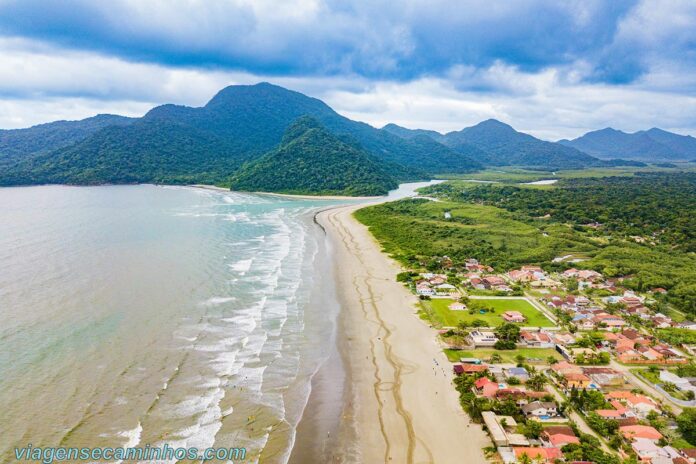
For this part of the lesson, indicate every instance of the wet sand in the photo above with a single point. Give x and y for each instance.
(399, 404)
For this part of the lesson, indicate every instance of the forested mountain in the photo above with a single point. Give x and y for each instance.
(436, 140)
(495, 143)
(179, 144)
(310, 159)
(406, 133)
(48, 137)
(506, 146)
(651, 145)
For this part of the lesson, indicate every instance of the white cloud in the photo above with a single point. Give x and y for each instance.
(39, 83)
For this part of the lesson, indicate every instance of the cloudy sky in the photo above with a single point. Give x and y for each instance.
(552, 68)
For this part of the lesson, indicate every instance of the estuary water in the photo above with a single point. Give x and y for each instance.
(133, 315)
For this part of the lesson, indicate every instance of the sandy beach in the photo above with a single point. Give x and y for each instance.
(400, 404)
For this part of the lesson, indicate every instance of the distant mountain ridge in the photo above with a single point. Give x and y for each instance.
(242, 124)
(54, 135)
(495, 143)
(651, 145)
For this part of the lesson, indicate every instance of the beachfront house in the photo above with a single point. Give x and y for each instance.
(424, 288)
(480, 338)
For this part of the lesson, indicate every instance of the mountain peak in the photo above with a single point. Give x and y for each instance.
(300, 126)
(236, 93)
(493, 122)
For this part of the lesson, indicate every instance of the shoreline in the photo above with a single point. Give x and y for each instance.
(288, 195)
(399, 403)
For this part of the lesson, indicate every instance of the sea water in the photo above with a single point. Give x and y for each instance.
(133, 315)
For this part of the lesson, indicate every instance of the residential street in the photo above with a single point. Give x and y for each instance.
(643, 385)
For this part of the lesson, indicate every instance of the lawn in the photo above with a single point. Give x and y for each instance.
(513, 175)
(508, 356)
(440, 314)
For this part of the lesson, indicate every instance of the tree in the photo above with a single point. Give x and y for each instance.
(686, 422)
(495, 358)
(532, 429)
(537, 382)
(508, 332)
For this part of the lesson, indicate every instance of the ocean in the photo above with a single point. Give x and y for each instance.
(133, 315)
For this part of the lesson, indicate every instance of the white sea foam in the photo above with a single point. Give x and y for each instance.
(242, 266)
(217, 300)
(132, 436)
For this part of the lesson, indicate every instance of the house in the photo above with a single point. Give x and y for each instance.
(480, 383)
(563, 338)
(538, 454)
(604, 376)
(521, 276)
(518, 372)
(457, 306)
(558, 436)
(564, 367)
(631, 432)
(460, 369)
(513, 316)
(610, 321)
(492, 282)
(540, 409)
(424, 288)
(616, 414)
(501, 430)
(577, 381)
(536, 339)
(445, 289)
(479, 338)
(648, 451)
(489, 390)
(589, 275)
(640, 405)
(691, 325)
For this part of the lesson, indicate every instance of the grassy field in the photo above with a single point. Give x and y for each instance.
(508, 356)
(512, 175)
(411, 228)
(440, 314)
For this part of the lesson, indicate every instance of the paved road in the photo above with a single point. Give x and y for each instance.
(580, 422)
(644, 385)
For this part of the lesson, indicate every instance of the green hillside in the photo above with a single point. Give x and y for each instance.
(311, 160)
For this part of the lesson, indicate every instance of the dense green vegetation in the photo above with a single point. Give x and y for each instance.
(415, 230)
(660, 207)
(44, 138)
(312, 160)
(505, 227)
(178, 144)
